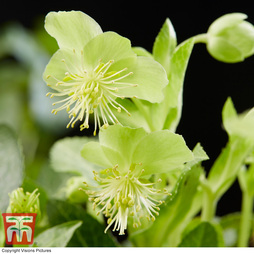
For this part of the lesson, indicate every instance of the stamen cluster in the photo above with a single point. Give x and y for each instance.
(90, 92)
(120, 196)
(21, 202)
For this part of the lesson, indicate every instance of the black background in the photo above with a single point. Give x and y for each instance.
(208, 82)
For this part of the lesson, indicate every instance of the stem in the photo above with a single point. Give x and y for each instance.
(201, 38)
(209, 203)
(245, 221)
(148, 117)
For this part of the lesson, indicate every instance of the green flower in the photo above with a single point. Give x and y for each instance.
(92, 69)
(129, 157)
(21, 202)
(230, 38)
(72, 190)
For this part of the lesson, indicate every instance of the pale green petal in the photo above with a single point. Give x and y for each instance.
(64, 60)
(71, 29)
(123, 140)
(161, 152)
(93, 152)
(106, 47)
(224, 50)
(141, 52)
(149, 76)
(226, 21)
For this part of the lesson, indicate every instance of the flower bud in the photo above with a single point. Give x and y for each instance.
(73, 192)
(21, 202)
(230, 38)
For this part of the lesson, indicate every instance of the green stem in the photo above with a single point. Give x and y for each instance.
(144, 112)
(209, 203)
(245, 221)
(201, 38)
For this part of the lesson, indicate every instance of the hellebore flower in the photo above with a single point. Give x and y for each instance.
(129, 158)
(230, 38)
(92, 69)
(21, 202)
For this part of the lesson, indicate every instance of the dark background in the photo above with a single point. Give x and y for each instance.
(208, 82)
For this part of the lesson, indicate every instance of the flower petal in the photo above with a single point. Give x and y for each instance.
(161, 152)
(71, 29)
(106, 47)
(149, 76)
(93, 152)
(60, 63)
(122, 140)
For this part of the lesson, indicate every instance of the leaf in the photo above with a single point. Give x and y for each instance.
(199, 156)
(13, 219)
(173, 214)
(168, 113)
(226, 167)
(90, 234)
(204, 235)
(65, 157)
(240, 126)
(165, 44)
(57, 236)
(11, 166)
(174, 90)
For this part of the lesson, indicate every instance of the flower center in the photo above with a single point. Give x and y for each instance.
(121, 196)
(91, 92)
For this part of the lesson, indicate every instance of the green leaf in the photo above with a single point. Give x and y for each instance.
(241, 142)
(173, 215)
(164, 45)
(204, 235)
(71, 29)
(168, 113)
(240, 126)
(65, 157)
(228, 111)
(11, 166)
(226, 167)
(90, 234)
(199, 156)
(57, 236)
(161, 151)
